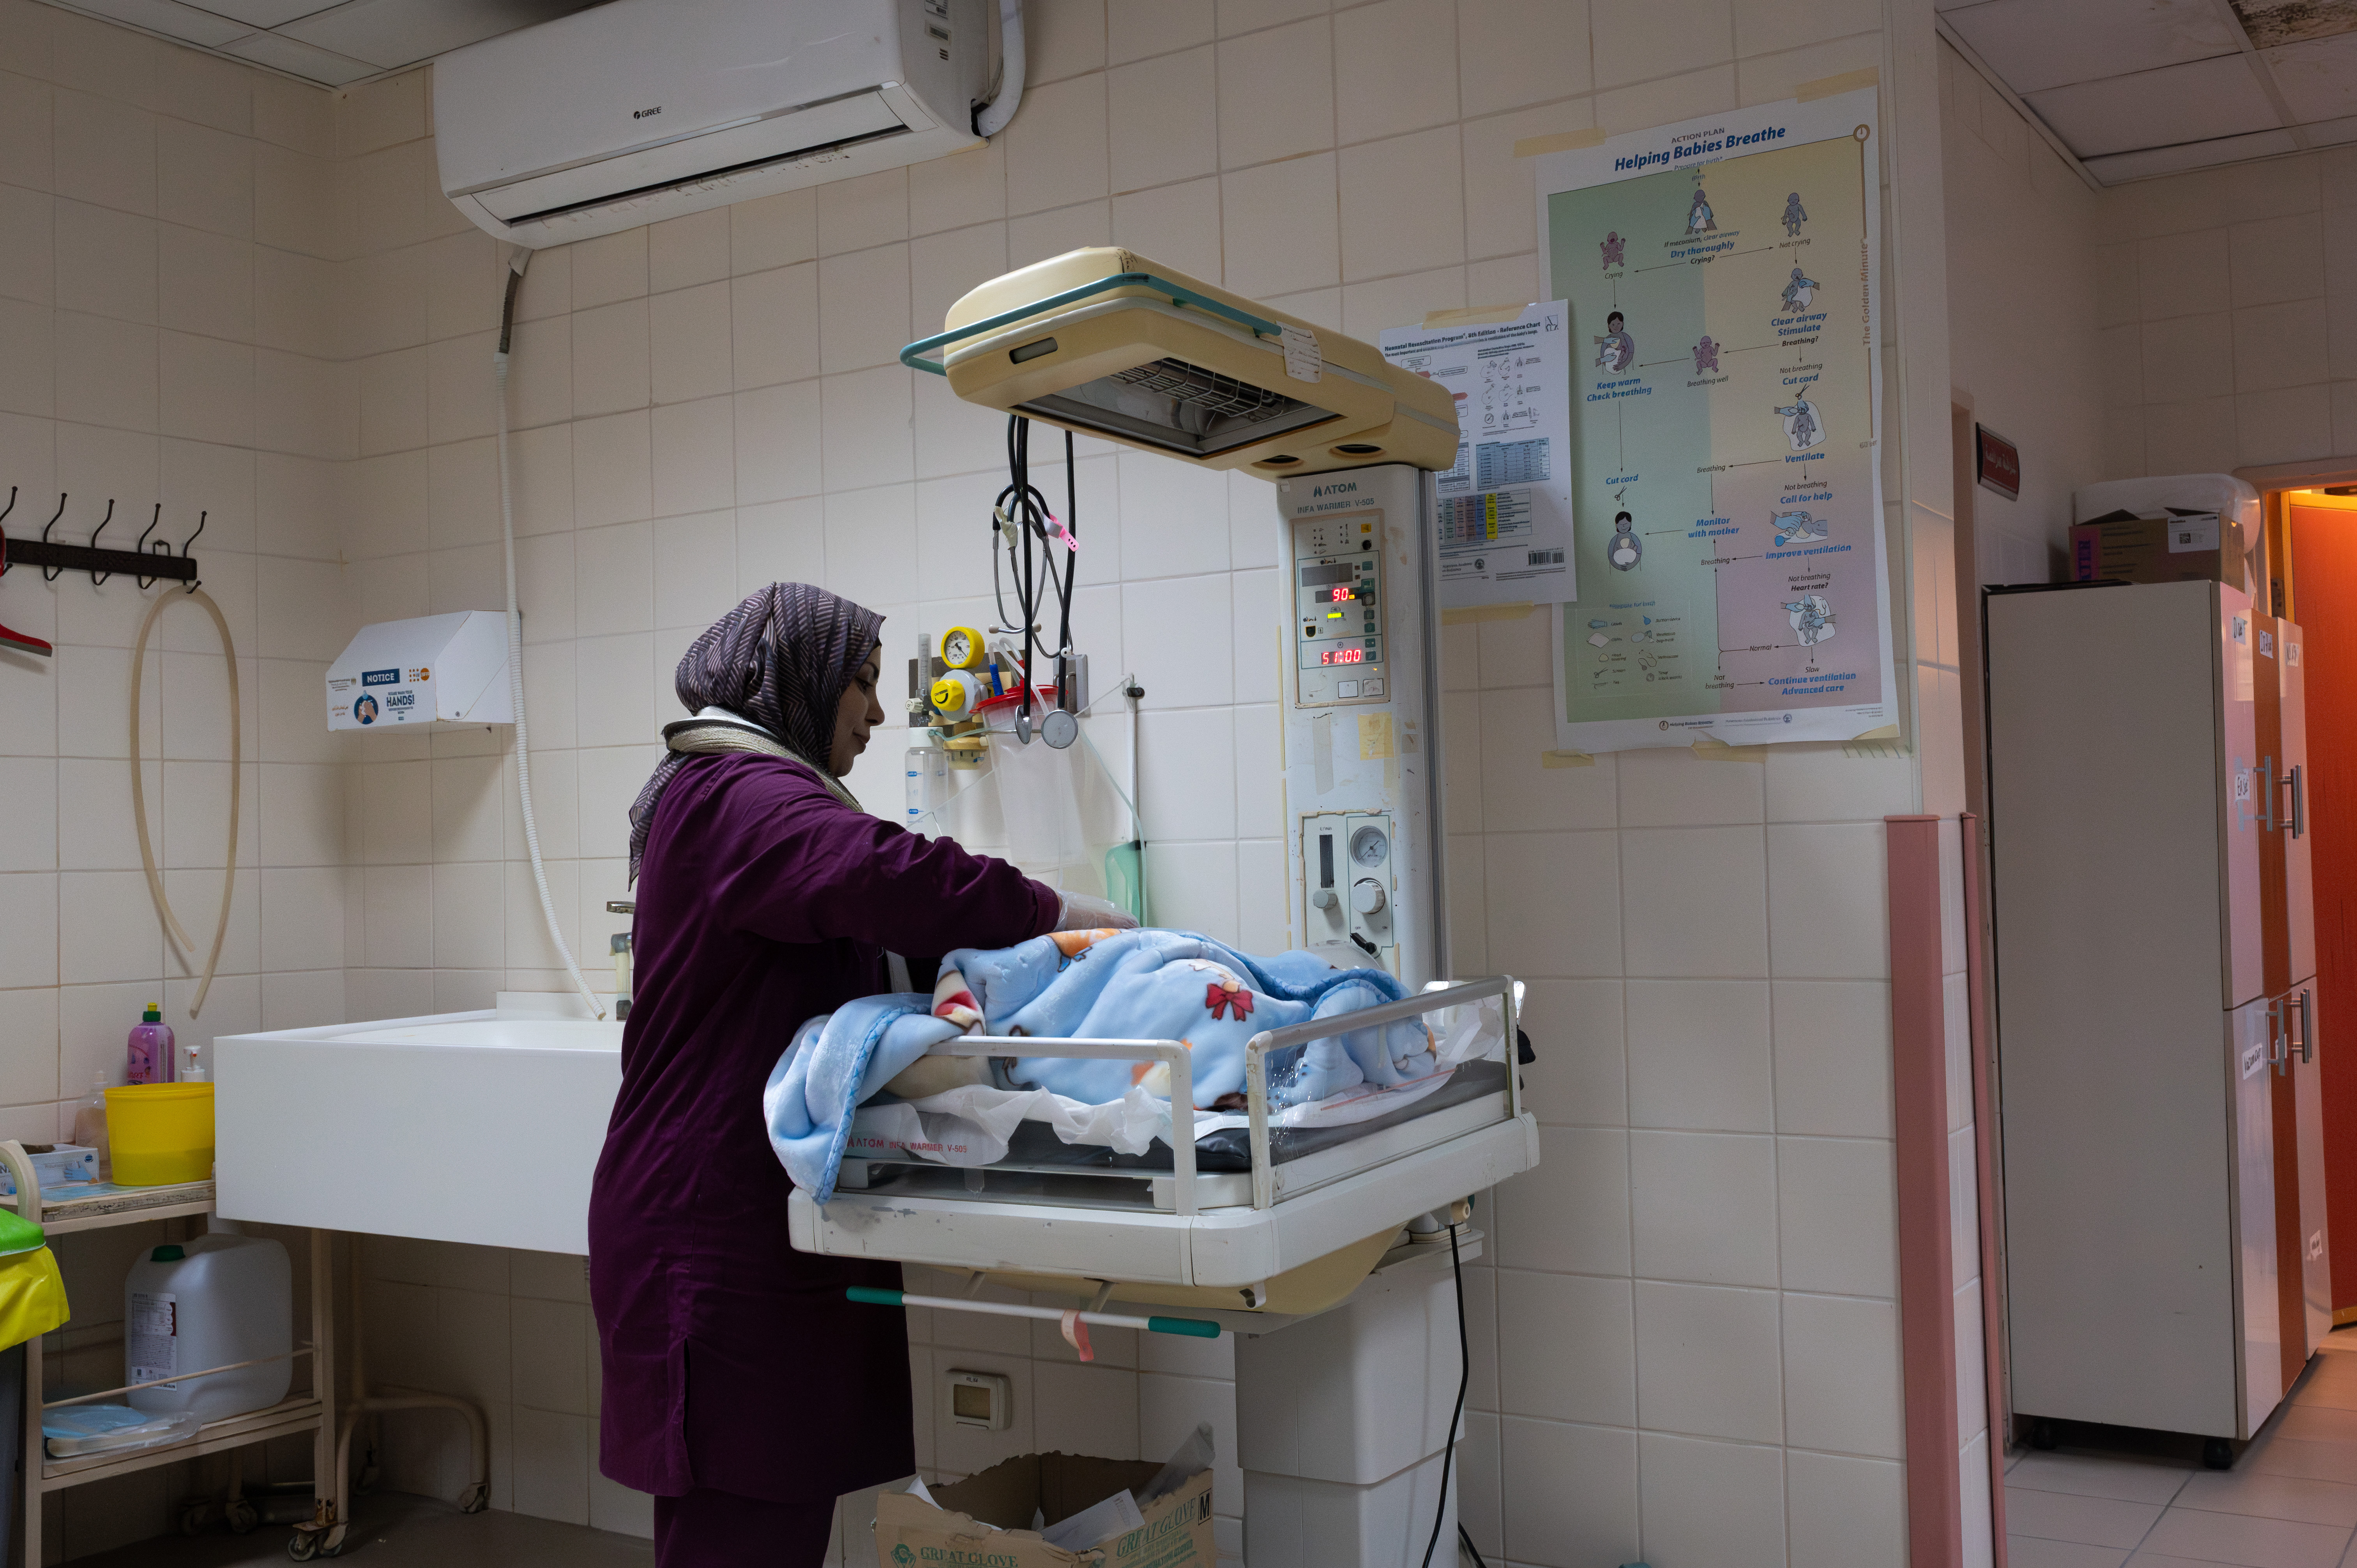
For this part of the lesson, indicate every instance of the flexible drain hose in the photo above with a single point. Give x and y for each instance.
(515, 649)
(236, 781)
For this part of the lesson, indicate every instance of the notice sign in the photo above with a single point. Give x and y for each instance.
(1997, 463)
(1721, 280)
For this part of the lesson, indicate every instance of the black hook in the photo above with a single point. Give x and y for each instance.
(97, 577)
(3, 517)
(142, 545)
(194, 583)
(49, 573)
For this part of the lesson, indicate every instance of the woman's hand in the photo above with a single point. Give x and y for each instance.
(1082, 913)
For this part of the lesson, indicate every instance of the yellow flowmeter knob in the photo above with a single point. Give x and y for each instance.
(957, 695)
(962, 649)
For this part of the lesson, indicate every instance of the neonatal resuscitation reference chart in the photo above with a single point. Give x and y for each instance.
(1721, 276)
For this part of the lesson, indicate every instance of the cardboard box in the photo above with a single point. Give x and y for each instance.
(913, 1534)
(2184, 547)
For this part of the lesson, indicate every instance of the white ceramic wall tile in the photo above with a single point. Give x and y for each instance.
(1571, 1492)
(1699, 1056)
(1702, 1207)
(1569, 1215)
(1694, 901)
(1832, 1058)
(1277, 93)
(1837, 1202)
(1571, 1340)
(1279, 227)
(1713, 1502)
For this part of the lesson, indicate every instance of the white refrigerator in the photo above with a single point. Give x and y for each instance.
(2138, 1044)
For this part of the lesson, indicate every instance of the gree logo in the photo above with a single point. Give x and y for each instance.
(646, 113)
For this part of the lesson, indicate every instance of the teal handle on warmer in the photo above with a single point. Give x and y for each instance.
(1195, 1326)
(873, 1296)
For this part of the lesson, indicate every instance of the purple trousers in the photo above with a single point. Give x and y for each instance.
(720, 1529)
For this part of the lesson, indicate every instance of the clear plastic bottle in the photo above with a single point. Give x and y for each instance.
(90, 1126)
(150, 1048)
(195, 1062)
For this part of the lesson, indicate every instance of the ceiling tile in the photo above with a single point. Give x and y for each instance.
(2319, 78)
(2037, 43)
(2273, 22)
(2196, 102)
(168, 18)
(297, 59)
(265, 13)
(2330, 133)
(2186, 156)
(390, 33)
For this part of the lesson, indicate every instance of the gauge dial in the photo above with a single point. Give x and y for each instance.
(962, 648)
(1369, 846)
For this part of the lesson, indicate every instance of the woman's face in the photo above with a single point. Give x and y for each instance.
(859, 712)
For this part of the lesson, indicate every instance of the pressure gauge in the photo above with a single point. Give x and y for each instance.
(1369, 847)
(963, 648)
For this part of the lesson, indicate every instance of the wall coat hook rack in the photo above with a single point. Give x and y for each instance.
(149, 563)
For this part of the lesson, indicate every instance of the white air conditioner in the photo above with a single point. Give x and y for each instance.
(643, 109)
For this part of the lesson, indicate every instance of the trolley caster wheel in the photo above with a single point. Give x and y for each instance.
(2217, 1453)
(332, 1543)
(474, 1499)
(302, 1546)
(194, 1517)
(2042, 1435)
(243, 1516)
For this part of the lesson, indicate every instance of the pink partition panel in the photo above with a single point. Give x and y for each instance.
(1926, 1316)
(1985, 1162)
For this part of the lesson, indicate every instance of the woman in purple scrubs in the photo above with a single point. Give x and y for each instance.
(741, 1388)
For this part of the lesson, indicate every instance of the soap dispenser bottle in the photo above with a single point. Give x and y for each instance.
(150, 1048)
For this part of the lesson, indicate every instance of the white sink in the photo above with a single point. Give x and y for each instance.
(479, 1127)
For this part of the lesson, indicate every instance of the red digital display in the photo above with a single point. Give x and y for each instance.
(1342, 656)
(1339, 594)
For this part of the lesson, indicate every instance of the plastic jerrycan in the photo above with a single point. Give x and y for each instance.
(209, 1302)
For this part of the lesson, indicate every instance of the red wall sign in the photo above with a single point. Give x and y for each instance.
(1997, 463)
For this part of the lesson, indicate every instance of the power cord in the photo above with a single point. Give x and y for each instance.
(1464, 1379)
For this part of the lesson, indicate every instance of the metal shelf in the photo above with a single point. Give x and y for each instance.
(95, 1207)
(297, 1413)
(101, 1204)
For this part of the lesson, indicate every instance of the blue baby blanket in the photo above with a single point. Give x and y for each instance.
(1147, 984)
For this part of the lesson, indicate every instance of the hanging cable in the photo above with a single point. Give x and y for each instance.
(1021, 513)
(1464, 1379)
(516, 263)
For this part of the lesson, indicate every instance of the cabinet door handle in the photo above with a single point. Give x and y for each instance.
(2298, 801)
(2278, 1037)
(2307, 1027)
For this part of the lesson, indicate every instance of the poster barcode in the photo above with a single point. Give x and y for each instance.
(1546, 558)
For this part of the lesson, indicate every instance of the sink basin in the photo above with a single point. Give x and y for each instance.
(477, 1127)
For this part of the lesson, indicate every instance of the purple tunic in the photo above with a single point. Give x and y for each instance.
(731, 1360)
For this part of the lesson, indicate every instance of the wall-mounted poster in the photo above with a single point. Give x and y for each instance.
(1722, 276)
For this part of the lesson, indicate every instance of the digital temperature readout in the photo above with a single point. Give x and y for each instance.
(1335, 596)
(1341, 656)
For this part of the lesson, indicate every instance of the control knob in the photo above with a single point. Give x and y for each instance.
(1366, 895)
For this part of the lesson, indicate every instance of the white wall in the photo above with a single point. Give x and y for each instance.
(2023, 265)
(2228, 302)
(166, 327)
(1685, 1331)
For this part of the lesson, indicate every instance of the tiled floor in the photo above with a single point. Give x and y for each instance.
(2290, 1501)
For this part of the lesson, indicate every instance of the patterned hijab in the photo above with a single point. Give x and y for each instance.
(781, 661)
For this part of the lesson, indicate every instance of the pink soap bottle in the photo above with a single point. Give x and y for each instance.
(152, 1057)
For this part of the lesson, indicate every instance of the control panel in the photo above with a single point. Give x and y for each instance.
(1351, 893)
(1340, 650)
